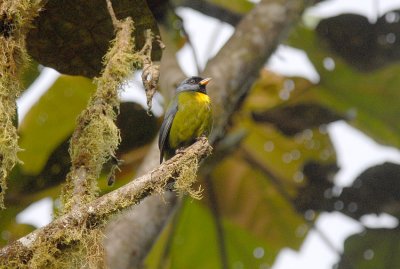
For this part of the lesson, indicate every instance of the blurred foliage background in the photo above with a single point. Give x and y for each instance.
(266, 194)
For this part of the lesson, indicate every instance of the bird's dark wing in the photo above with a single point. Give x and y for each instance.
(165, 127)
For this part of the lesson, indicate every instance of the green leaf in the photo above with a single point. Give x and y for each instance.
(374, 191)
(51, 120)
(293, 119)
(372, 99)
(371, 249)
(250, 200)
(194, 243)
(364, 45)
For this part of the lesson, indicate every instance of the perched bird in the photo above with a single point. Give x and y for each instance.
(188, 117)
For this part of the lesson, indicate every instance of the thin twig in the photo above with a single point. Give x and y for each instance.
(114, 19)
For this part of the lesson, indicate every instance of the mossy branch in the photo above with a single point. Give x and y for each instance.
(96, 136)
(66, 231)
(93, 143)
(15, 20)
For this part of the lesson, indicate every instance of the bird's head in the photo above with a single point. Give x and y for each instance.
(196, 84)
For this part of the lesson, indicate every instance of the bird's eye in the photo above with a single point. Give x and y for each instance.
(191, 81)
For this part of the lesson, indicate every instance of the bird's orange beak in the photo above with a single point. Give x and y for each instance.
(205, 81)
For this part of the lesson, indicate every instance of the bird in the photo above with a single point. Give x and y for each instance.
(188, 117)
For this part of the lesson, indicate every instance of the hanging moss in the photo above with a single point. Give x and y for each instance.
(15, 20)
(187, 177)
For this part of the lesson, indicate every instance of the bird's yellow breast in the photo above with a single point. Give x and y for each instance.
(201, 98)
(192, 120)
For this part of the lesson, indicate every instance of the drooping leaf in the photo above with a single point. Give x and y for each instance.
(364, 45)
(374, 191)
(316, 194)
(296, 118)
(370, 100)
(51, 120)
(73, 36)
(371, 249)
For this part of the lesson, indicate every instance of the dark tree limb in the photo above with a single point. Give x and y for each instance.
(236, 67)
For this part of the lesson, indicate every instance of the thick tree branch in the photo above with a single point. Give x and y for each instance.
(97, 213)
(236, 67)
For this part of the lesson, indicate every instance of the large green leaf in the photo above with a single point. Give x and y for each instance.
(372, 249)
(251, 200)
(376, 190)
(371, 99)
(194, 244)
(364, 45)
(51, 120)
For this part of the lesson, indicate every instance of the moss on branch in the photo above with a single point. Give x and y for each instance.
(96, 136)
(15, 20)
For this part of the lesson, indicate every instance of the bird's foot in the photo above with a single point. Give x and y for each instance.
(203, 136)
(180, 150)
